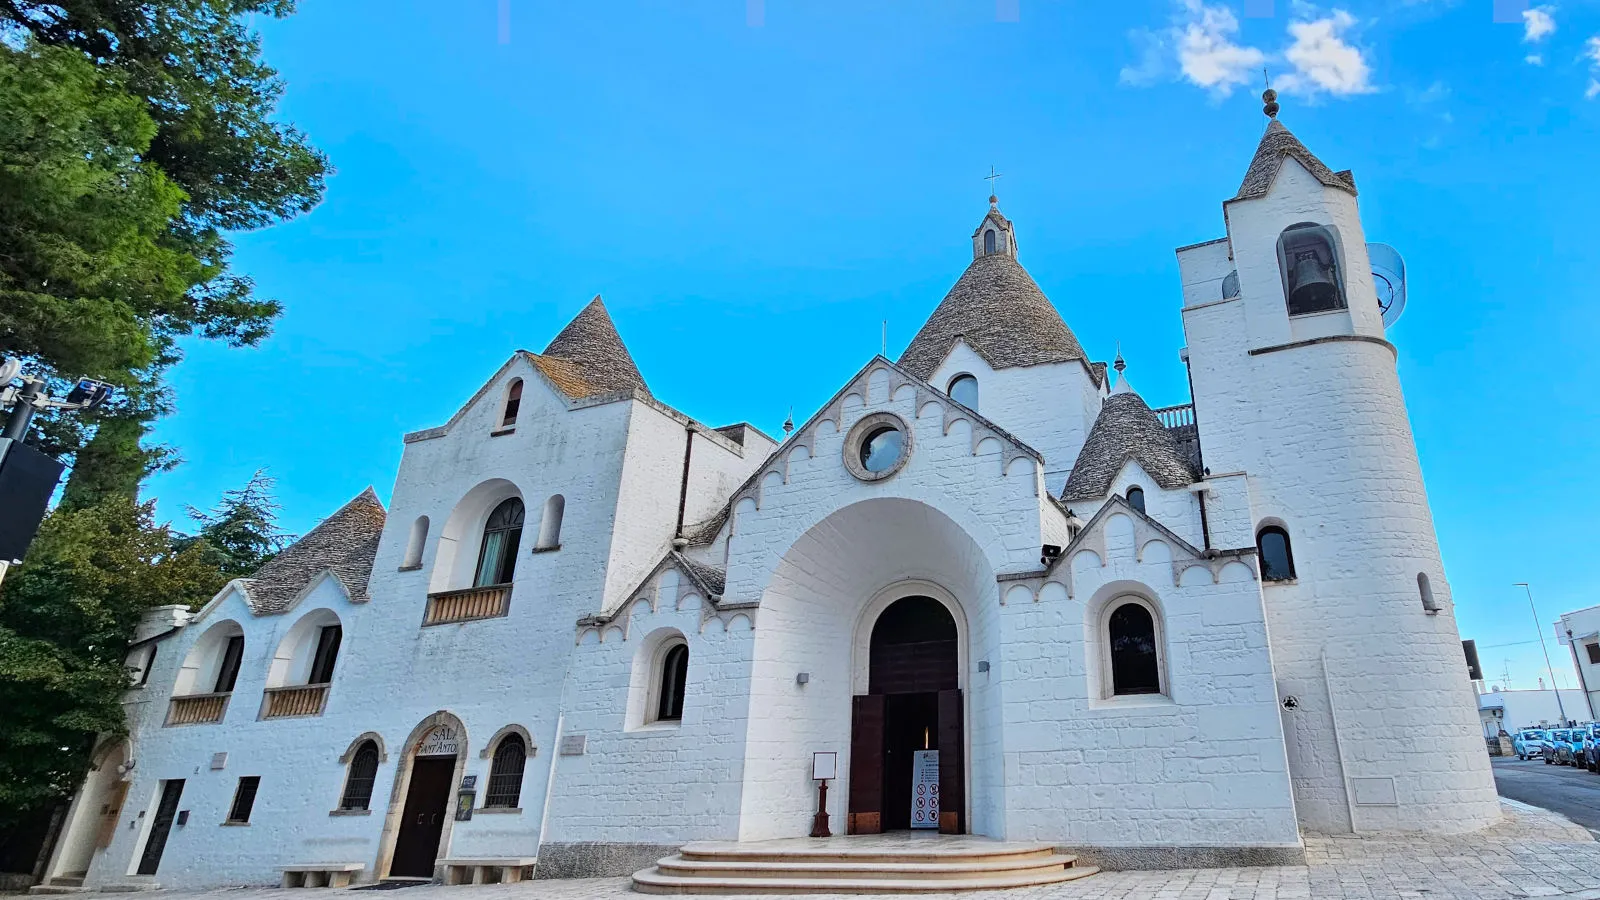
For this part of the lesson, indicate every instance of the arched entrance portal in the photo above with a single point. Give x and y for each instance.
(417, 828)
(907, 755)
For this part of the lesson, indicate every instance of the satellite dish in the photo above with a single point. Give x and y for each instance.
(1389, 278)
(9, 369)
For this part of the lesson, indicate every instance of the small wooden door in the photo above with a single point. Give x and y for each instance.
(866, 765)
(111, 813)
(422, 821)
(161, 826)
(952, 765)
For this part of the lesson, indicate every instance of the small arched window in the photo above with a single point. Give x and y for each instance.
(415, 543)
(988, 242)
(505, 773)
(550, 523)
(361, 778)
(513, 404)
(964, 390)
(1277, 561)
(674, 679)
(1312, 281)
(1426, 590)
(502, 534)
(1135, 659)
(1136, 498)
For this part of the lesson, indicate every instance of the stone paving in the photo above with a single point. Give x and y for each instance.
(1534, 853)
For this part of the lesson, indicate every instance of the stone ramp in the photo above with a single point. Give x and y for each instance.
(862, 864)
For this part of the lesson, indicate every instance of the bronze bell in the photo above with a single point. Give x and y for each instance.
(1311, 284)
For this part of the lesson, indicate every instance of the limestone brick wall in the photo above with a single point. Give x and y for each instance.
(1049, 407)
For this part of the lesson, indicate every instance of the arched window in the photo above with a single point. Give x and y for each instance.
(508, 418)
(228, 670)
(550, 523)
(414, 544)
(1277, 561)
(1312, 281)
(988, 242)
(361, 778)
(964, 390)
(505, 774)
(328, 640)
(674, 678)
(1426, 590)
(1134, 654)
(1136, 498)
(497, 558)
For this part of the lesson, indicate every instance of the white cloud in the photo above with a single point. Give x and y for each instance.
(1591, 52)
(1153, 55)
(1207, 54)
(1533, 59)
(1538, 24)
(1324, 61)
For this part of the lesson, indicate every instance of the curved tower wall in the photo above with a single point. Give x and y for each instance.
(1383, 733)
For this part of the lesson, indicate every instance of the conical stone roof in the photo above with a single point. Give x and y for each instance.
(589, 358)
(345, 542)
(995, 307)
(1278, 144)
(1126, 429)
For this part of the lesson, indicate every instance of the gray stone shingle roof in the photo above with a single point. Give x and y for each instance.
(996, 307)
(1277, 144)
(345, 542)
(588, 357)
(1126, 429)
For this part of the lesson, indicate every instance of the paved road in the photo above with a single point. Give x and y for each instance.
(1571, 792)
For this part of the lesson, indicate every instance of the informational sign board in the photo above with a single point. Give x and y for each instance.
(925, 789)
(824, 765)
(574, 744)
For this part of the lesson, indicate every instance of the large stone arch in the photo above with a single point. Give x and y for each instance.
(402, 781)
(823, 594)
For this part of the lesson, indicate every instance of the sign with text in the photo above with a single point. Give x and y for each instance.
(441, 740)
(925, 789)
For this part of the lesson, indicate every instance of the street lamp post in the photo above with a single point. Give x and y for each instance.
(1553, 686)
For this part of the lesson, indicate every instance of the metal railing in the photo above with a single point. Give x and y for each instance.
(295, 700)
(1176, 416)
(467, 604)
(197, 709)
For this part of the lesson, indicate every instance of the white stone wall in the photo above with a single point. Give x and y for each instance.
(1577, 630)
(1050, 407)
(1322, 435)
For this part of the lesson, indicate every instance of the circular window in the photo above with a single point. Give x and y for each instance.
(877, 447)
(881, 449)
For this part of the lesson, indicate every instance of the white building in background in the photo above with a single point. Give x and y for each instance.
(603, 629)
(1516, 710)
(1579, 632)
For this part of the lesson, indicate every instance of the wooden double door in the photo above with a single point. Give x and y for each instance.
(416, 849)
(886, 730)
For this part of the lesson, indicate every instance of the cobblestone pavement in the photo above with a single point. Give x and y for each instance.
(1534, 853)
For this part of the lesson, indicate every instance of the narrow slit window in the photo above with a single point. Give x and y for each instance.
(988, 242)
(244, 800)
(1136, 498)
(513, 404)
(674, 679)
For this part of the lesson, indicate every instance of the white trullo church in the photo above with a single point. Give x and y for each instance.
(590, 629)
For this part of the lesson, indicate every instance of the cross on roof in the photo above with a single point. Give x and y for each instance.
(991, 179)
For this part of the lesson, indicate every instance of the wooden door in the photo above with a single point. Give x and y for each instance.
(111, 813)
(866, 765)
(952, 765)
(161, 826)
(422, 821)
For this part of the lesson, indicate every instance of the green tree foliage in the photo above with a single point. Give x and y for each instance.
(66, 617)
(240, 534)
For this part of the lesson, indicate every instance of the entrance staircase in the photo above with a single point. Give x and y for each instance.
(861, 864)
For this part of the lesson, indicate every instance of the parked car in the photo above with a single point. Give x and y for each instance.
(1590, 757)
(1529, 743)
(1565, 746)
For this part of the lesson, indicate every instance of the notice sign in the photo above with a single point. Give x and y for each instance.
(925, 789)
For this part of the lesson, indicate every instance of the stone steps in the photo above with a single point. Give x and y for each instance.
(879, 864)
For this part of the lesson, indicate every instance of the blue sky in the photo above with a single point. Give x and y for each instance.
(755, 185)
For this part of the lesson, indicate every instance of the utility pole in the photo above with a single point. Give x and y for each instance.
(1553, 686)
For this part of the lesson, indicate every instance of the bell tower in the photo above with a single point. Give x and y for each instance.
(1307, 440)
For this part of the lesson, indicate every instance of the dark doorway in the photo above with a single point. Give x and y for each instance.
(161, 826)
(422, 821)
(913, 703)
